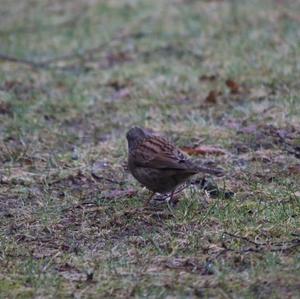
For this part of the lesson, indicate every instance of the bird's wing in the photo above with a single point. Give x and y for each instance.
(157, 152)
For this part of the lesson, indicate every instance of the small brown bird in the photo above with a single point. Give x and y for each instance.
(158, 164)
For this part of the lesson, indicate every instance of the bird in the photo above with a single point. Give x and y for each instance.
(158, 164)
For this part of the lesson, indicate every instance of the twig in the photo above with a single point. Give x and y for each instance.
(71, 21)
(260, 247)
(171, 50)
(242, 238)
(46, 63)
(296, 243)
(33, 64)
(100, 178)
(92, 50)
(281, 243)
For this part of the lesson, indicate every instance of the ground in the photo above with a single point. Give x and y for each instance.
(219, 78)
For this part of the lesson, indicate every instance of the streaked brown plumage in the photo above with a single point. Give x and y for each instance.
(158, 164)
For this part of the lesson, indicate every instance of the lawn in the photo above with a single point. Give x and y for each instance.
(218, 78)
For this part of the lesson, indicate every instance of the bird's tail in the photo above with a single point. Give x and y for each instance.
(214, 171)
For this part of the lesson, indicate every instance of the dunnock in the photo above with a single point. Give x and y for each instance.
(158, 164)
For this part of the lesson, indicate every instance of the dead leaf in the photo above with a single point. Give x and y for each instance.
(17, 87)
(294, 169)
(61, 86)
(71, 273)
(121, 94)
(258, 93)
(288, 16)
(117, 85)
(40, 253)
(11, 84)
(183, 264)
(98, 166)
(212, 97)
(204, 150)
(232, 124)
(116, 194)
(248, 130)
(208, 78)
(18, 176)
(233, 86)
(5, 108)
(262, 155)
(115, 58)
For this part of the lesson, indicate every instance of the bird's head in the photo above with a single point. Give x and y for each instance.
(134, 136)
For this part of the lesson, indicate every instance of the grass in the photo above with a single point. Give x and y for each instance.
(75, 76)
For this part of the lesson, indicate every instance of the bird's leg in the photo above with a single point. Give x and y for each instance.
(174, 193)
(149, 199)
(171, 196)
